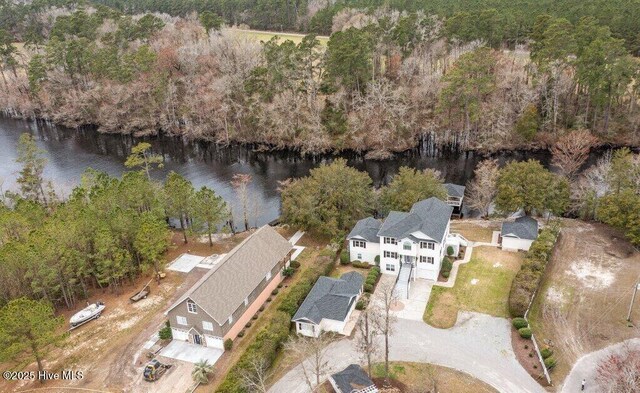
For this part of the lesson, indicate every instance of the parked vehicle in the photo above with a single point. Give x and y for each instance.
(154, 370)
(92, 311)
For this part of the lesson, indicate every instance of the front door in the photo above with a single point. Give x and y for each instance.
(197, 339)
(408, 259)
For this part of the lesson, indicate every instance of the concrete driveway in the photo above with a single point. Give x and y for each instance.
(191, 353)
(413, 307)
(586, 367)
(479, 345)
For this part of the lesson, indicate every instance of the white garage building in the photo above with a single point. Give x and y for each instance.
(519, 234)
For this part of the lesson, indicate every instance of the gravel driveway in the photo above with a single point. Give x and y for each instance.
(478, 344)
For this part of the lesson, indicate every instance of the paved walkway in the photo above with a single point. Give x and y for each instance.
(479, 345)
(586, 366)
(191, 353)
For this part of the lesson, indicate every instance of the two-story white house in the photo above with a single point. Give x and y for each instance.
(411, 244)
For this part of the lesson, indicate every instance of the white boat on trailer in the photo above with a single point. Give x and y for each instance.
(91, 312)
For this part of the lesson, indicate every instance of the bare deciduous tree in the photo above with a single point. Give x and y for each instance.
(386, 297)
(483, 189)
(313, 354)
(620, 373)
(572, 150)
(240, 183)
(367, 329)
(254, 379)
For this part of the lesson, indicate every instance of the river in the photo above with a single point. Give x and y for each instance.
(70, 152)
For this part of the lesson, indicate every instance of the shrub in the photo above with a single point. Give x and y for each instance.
(165, 332)
(288, 271)
(530, 354)
(546, 353)
(528, 277)
(526, 347)
(274, 292)
(377, 261)
(279, 285)
(550, 363)
(450, 251)
(261, 308)
(294, 264)
(269, 299)
(344, 257)
(519, 323)
(447, 265)
(228, 344)
(371, 281)
(241, 333)
(525, 332)
(361, 265)
(446, 274)
(368, 288)
(360, 305)
(254, 317)
(248, 324)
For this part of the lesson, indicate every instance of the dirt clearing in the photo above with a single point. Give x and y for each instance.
(583, 302)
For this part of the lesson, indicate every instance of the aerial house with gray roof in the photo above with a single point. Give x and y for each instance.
(519, 234)
(352, 379)
(328, 305)
(219, 305)
(408, 244)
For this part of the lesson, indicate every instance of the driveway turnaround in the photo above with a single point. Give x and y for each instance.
(478, 344)
(191, 353)
(586, 367)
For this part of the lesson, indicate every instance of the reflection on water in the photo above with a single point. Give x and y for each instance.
(70, 152)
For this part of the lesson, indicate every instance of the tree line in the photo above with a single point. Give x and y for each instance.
(385, 81)
(105, 234)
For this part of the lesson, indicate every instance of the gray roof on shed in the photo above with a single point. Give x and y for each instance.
(221, 291)
(351, 378)
(430, 216)
(454, 190)
(330, 298)
(366, 228)
(523, 227)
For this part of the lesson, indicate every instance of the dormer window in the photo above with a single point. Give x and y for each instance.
(191, 307)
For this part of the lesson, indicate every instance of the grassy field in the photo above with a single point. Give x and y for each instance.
(475, 230)
(259, 35)
(423, 377)
(482, 285)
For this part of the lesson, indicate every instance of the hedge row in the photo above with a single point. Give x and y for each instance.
(271, 338)
(528, 277)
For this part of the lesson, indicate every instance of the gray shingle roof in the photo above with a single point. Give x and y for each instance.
(366, 228)
(429, 216)
(523, 227)
(351, 378)
(330, 298)
(221, 291)
(454, 190)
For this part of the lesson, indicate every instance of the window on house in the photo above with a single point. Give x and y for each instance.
(390, 240)
(268, 276)
(181, 320)
(390, 254)
(430, 260)
(391, 267)
(191, 307)
(406, 246)
(427, 245)
(360, 243)
(359, 256)
(207, 326)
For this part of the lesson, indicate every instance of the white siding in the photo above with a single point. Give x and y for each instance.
(513, 243)
(179, 334)
(366, 254)
(329, 325)
(308, 329)
(214, 342)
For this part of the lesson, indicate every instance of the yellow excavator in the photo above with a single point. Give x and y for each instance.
(154, 370)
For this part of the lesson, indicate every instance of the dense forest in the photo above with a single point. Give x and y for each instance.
(387, 78)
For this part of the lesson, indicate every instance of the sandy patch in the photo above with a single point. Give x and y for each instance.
(555, 295)
(591, 275)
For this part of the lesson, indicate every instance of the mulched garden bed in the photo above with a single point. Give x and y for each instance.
(526, 355)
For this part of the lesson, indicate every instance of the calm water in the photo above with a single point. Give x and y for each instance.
(70, 152)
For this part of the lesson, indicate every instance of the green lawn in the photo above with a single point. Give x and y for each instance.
(482, 285)
(267, 35)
